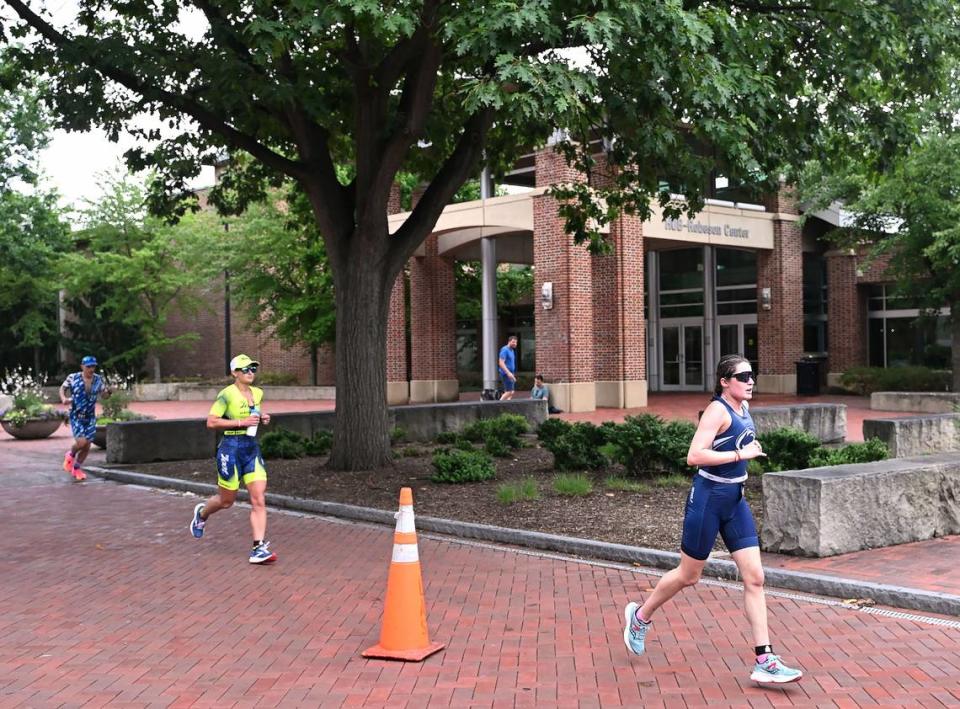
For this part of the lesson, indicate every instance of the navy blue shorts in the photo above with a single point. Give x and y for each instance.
(714, 508)
(508, 383)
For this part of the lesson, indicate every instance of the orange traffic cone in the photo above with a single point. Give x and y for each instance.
(404, 633)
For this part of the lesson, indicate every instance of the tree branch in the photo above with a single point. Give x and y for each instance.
(203, 116)
(452, 174)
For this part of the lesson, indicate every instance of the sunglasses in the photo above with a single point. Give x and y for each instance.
(744, 377)
(252, 369)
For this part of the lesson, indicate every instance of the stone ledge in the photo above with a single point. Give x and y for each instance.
(186, 439)
(916, 435)
(827, 422)
(924, 402)
(827, 511)
(885, 594)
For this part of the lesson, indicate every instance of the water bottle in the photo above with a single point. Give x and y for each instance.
(252, 430)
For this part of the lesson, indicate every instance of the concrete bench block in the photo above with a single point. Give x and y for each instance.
(827, 511)
(924, 402)
(149, 441)
(827, 422)
(916, 435)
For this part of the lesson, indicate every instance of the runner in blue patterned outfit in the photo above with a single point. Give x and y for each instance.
(725, 440)
(81, 390)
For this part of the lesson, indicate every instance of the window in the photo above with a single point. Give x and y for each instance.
(900, 335)
(814, 303)
(681, 283)
(736, 282)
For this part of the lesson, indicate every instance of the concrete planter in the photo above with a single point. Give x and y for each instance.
(32, 429)
(100, 437)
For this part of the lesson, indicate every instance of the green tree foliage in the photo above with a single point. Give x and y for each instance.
(279, 273)
(132, 270)
(32, 232)
(674, 90)
(514, 285)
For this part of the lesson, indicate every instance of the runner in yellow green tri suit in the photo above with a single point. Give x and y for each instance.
(237, 413)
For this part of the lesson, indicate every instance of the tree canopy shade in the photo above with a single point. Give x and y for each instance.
(677, 89)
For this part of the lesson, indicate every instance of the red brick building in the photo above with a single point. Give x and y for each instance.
(654, 314)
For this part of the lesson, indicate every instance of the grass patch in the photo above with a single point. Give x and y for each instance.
(625, 484)
(508, 493)
(411, 452)
(576, 485)
(672, 481)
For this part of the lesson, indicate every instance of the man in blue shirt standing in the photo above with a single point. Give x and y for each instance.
(81, 390)
(507, 365)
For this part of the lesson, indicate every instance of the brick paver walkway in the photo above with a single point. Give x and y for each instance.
(106, 599)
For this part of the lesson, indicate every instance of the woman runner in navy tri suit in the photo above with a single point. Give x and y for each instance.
(725, 440)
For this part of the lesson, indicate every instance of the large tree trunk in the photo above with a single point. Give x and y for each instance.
(314, 376)
(361, 437)
(955, 342)
(156, 368)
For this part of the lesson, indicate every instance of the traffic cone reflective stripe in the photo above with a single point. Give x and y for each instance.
(404, 635)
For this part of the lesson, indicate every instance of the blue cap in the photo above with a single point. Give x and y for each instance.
(88, 361)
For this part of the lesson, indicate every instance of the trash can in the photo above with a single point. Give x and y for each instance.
(808, 377)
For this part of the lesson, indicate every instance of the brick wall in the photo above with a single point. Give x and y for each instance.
(397, 332)
(565, 336)
(780, 329)
(847, 312)
(618, 307)
(433, 333)
(205, 357)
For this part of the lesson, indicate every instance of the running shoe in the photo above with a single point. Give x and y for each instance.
(634, 632)
(773, 671)
(68, 462)
(198, 522)
(78, 474)
(261, 554)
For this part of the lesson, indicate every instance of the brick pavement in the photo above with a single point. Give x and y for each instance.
(106, 599)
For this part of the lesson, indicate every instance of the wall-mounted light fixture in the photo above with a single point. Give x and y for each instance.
(546, 295)
(765, 298)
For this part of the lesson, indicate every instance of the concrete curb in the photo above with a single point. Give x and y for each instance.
(818, 584)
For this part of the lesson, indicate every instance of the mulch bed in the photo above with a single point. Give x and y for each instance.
(648, 519)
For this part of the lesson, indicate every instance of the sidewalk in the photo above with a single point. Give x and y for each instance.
(108, 600)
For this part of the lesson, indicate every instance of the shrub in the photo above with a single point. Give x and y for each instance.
(282, 443)
(866, 380)
(397, 434)
(625, 485)
(411, 452)
(506, 429)
(647, 444)
(787, 449)
(276, 379)
(320, 444)
(496, 447)
(117, 403)
(458, 466)
(579, 448)
(573, 485)
(871, 450)
(551, 429)
(508, 493)
(463, 444)
(447, 438)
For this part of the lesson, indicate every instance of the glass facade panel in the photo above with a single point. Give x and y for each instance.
(909, 341)
(681, 269)
(736, 268)
(693, 355)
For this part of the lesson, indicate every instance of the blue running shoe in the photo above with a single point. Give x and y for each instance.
(261, 554)
(773, 671)
(198, 522)
(634, 632)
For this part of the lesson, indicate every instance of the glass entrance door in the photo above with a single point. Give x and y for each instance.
(739, 338)
(682, 356)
